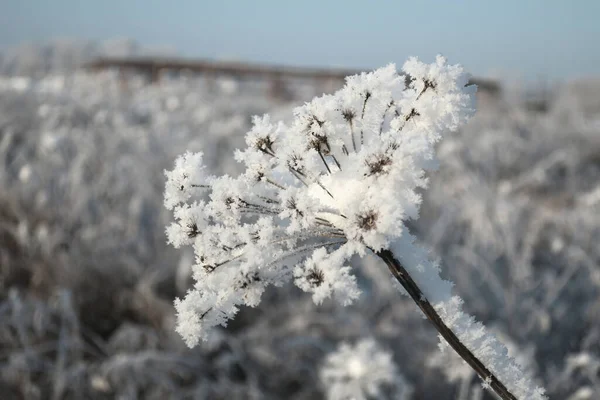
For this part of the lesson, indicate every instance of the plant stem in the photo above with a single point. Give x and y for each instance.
(402, 275)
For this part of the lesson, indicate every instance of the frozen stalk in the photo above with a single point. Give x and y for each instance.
(341, 180)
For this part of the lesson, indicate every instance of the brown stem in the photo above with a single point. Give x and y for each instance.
(402, 275)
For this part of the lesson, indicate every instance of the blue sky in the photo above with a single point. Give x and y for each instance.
(531, 39)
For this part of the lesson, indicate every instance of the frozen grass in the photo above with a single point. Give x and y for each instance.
(86, 276)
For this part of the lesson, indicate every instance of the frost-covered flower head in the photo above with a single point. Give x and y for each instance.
(341, 180)
(361, 372)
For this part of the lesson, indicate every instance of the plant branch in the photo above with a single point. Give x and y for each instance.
(402, 275)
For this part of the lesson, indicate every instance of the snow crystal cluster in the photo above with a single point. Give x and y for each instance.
(340, 181)
(362, 371)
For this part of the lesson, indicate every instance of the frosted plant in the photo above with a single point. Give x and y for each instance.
(340, 181)
(361, 372)
(460, 373)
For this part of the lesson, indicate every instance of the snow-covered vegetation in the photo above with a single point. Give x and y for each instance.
(67, 55)
(362, 371)
(87, 278)
(341, 181)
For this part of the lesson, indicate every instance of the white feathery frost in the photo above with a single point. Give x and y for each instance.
(339, 181)
(362, 371)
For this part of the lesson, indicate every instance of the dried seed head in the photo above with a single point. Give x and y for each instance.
(295, 162)
(348, 114)
(429, 84)
(259, 176)
(247, 280)
(313, 119)
(265, 144)
(192, 230)
(377, 163)
(229, 202)
(310, 121)
(292, 205)
(303, 199)
(320, 144)
(368, 221)
(315, 277)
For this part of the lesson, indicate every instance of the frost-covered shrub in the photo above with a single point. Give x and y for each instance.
(88, 151)
(342, 180)
(362, 371)
(512, 212)
(81, 182)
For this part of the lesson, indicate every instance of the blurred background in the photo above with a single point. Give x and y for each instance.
(98, 98)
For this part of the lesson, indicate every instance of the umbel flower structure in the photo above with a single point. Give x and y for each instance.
(340, 181)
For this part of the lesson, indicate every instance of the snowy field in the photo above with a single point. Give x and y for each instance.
(87, 279)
